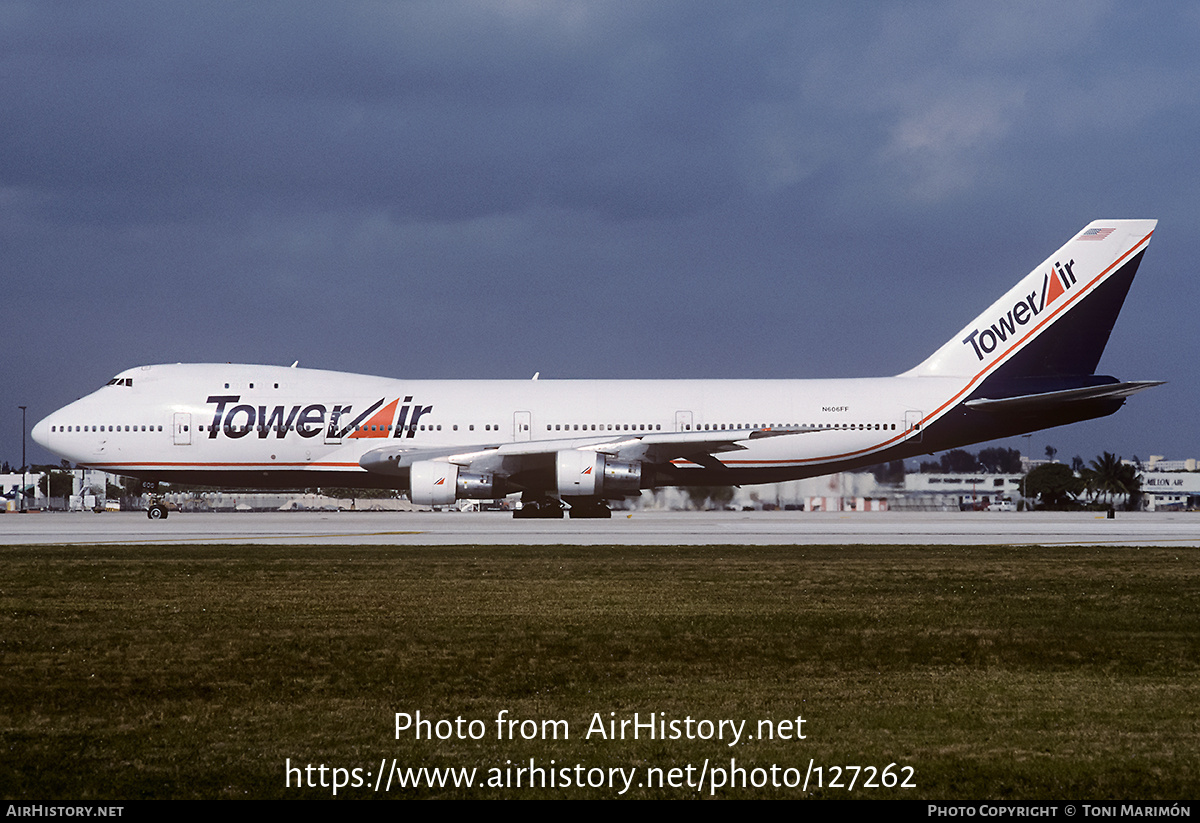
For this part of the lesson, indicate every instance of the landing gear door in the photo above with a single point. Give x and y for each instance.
(912, 426)
(182, 428)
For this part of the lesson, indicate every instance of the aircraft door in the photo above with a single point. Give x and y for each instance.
(333, 436)
(182, 428)
(912, 426)
(683, 421)
(522, 426)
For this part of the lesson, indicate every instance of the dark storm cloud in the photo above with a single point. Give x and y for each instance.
(590, 188)
(429, 111)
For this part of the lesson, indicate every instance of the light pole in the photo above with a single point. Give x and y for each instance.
(23, 467)
(1025, 479)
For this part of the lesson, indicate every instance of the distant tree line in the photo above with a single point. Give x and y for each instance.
(1057, 486)
(957, 461)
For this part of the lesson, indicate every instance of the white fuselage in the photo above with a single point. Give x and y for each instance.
(186, 421)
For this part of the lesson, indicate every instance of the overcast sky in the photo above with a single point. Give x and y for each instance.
(585, 189)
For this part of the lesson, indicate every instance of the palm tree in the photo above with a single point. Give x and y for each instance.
(1131, 483)
(1110, 477)
(1088, 480)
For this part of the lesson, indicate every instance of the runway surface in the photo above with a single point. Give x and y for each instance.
(637, 528)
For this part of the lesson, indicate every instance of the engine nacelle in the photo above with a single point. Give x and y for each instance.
(591, 474)
(432, 483)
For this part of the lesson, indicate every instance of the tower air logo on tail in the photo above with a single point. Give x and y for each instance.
(1055, 284)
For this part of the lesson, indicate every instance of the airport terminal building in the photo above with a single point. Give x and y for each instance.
(1171, 490)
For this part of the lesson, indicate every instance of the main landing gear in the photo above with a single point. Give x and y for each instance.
(548, 507)
(157, 511)
(541, 507)
(592, 508)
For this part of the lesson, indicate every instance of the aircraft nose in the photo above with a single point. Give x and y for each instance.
(41, 433)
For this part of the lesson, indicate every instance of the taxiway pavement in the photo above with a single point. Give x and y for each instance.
(625, 528)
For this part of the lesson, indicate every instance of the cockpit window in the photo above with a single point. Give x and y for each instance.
(120, 381)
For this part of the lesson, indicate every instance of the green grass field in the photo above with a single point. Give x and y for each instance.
(994, 673)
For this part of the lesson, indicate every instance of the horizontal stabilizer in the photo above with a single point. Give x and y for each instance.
(1035, 402)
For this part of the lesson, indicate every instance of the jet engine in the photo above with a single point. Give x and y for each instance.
(591, 474)
(439, 484)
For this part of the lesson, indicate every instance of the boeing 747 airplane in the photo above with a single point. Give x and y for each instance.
(1028, 362)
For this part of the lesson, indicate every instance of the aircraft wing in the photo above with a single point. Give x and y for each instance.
(511, 458)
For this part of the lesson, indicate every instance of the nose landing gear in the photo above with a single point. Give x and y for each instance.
(157, 510)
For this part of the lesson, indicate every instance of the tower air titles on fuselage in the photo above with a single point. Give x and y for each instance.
(237, 420)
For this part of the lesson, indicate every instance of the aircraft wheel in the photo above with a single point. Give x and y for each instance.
(157, 512)
(590, 510)
(551, 509)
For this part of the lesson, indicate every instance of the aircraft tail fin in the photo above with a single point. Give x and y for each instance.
(1055, 322)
